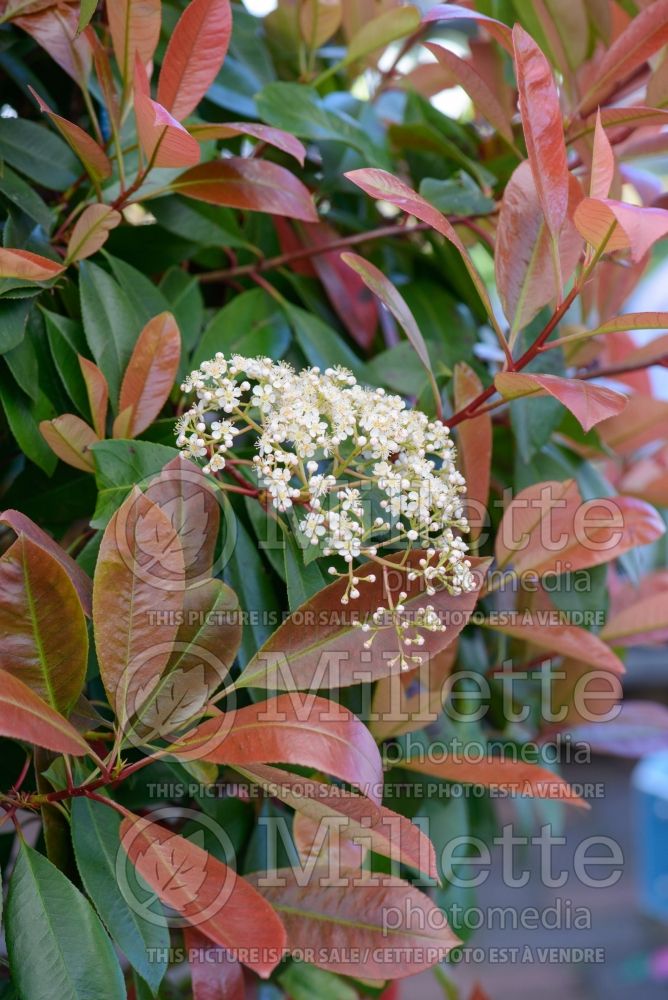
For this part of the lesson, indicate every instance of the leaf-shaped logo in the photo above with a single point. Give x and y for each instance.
(178, 698)
(190, 518)
(158, 545)
(175, 873)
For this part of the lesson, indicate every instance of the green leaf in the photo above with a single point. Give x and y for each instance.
(303, 580)
(86, 11)
(24, 416)
(208, 225)
(322, 346)
(302, 982)
(110, 323)
(96, 841)
(247, 574)
(56, 944)
(458, 195)
(38, 153)
(66, 341)
(144, 297)
(13, 319)
(381, 30)
(186, 302)
(20, 194)
(251, 324)
(300, 110)
(120, 466)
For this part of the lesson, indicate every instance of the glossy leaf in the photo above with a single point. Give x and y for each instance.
(149, 376)
(454, 12)
(196, 51)
(590, 404)
(139, 576)
(513, 777)
(97, 391)
(25, 716)
(71, 439)
(27, 266)
(476, 87)
(613, 225)
(45, 642)
(93, 157)
(91, 231)
(602, 163)
(277, 137)
(80, 580)
(257, 185)
(300, 657)
(75, 960)
(627, 321)
(95, 837)
(135, 29)
(216, 901)
(475, 446)
(393, 300)
(56, 31)
(645, 35)
(312, 732)
(350, 916)
(377, 827)
(524, 261)
(164, 141)
(543, 129)
(588, 535)
(215, 974)
(639, 622)
(384, 187)
(564, 640)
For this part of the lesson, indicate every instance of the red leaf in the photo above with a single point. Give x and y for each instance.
(223, 907)
(189, 500)
(513, 777)
(135, 30)
(453, 12)
(312, 732)
(70, 438)
(543, 129)
(590, 404)
(393, 300)
(195, 53)
(299, 657)
(602, 162)
(482, 96)
(377, 827)
(348, 921)
(81, 581)
(56, 31)
(164, 141)
(475, 447)
(346, 291)
(524, 263)
(257, 185)
(548, 529)
(627, 227)
(640, 622)
(27, 266)
(24, 716)
(633, 117)
(414, 699)
(149, 376)
(383, 186)
(98, 394)
(44, 636)
(215, 974)
(93, 157)
(563, 640)
(91, 231)
(265, 133)
(640, 728)
(138, 578)
(645, 35)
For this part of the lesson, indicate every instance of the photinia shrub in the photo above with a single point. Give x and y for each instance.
(335, 477)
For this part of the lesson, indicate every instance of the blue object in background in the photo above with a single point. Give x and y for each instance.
(650, 793)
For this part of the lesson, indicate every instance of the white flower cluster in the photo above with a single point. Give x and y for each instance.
(362, 471)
